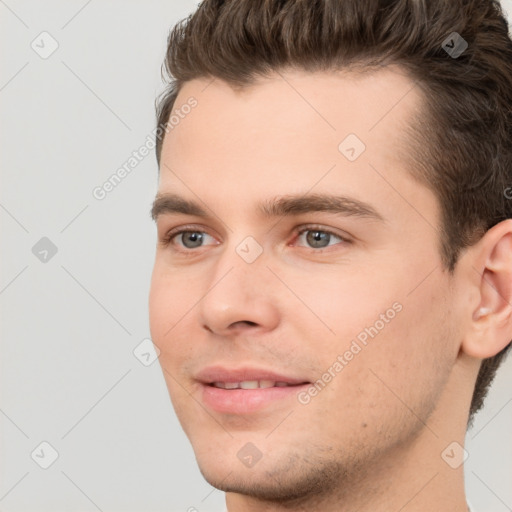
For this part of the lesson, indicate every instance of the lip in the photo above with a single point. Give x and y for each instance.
(244, 401)
(222, 374)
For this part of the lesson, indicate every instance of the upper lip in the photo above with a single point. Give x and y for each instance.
(212, 374)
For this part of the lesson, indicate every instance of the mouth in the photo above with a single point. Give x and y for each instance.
(247, 390)
(252, 384)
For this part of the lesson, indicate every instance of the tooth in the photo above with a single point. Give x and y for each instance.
(266, 383)
(231, 385)
(281, 384)
(249, 384)
(219, 385)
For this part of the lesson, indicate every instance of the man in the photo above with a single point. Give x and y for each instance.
(332, 289)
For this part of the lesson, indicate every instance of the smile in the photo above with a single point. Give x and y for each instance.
(250, 384)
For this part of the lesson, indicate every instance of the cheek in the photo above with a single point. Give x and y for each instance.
(389, 339)
(404, 366)
(159, 297)
(346, 301)
(171, 315)
(167, 311)
(170, 297)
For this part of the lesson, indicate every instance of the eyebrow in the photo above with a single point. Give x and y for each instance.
(288, 205)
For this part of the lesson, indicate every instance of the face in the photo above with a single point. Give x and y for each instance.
(308, 269)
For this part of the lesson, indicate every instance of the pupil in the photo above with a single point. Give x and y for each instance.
(315, 238)
(193, 237)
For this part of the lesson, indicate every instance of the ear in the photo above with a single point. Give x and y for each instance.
(490, 325)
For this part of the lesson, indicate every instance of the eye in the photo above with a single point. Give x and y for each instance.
(318, 238)
(187, 238)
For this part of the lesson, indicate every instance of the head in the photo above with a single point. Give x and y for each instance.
(351, 119)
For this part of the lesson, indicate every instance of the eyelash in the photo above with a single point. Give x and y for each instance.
(173, 233)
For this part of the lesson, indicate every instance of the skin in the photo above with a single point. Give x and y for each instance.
(372, 439)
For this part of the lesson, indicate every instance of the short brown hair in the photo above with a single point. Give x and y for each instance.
(460, 146)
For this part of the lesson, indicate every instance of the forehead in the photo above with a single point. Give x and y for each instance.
(292, 132)
(330, 101)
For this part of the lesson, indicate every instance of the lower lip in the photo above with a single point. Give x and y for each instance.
(242, 401)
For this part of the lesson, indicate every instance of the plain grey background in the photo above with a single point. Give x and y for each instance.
(74, 305)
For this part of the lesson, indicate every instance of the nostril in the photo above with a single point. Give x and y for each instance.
(234, 326)
(243, 323)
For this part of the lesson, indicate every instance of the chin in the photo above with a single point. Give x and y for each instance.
(274, 486)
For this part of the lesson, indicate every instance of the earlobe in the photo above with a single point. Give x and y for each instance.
(491, 321)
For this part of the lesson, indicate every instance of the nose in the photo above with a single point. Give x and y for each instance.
(240, 298)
